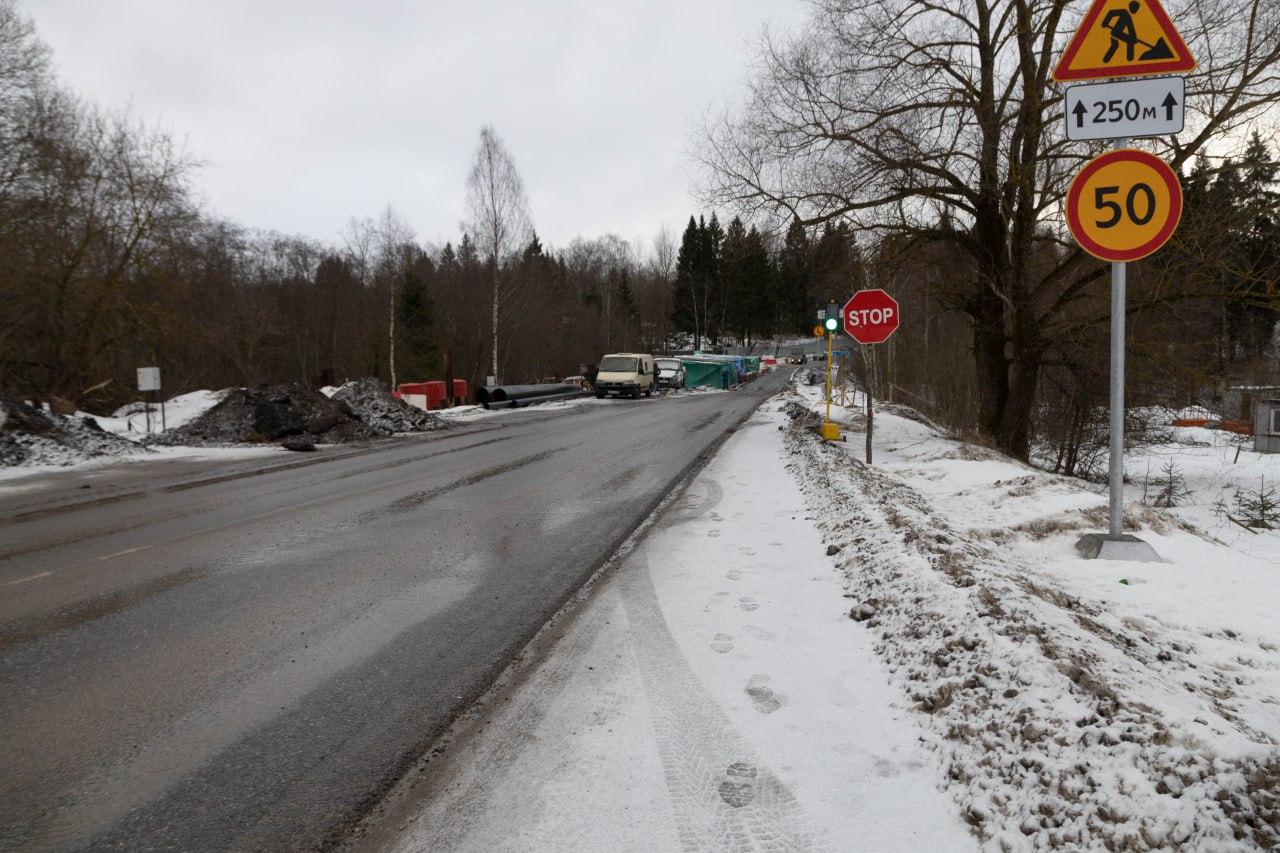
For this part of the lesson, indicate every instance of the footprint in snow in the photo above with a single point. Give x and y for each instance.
(713, 533)
(745, 550)
(739, 785)
(748, 603)
(733, 574)
(762, 696)
(720, 643)
(760, 633)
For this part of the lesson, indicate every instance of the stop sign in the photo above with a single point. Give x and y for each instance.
(871, 316)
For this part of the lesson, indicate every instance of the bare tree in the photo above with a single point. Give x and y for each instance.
(498, 214)
(936, 121)
(396, 240)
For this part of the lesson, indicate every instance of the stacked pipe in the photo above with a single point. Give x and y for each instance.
(515, 396)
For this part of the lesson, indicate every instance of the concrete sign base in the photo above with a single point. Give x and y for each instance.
(1100, 546)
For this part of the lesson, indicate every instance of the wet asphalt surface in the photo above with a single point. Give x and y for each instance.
(216, 658)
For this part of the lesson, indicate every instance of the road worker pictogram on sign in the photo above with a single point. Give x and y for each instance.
(1124, 38)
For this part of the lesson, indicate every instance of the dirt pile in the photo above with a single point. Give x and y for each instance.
(270, 413)
(30, 436)
(372, 403)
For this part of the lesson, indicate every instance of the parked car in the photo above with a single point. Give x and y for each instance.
(626, 373)
(670, 373)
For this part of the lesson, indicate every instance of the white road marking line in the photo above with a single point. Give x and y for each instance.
(32, 578)
(121, 553)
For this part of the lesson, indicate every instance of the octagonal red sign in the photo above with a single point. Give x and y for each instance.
(871, 316)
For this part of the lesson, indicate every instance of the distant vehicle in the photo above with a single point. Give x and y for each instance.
(670, 373)
(797, 356)
(581, 381)
(626, 373)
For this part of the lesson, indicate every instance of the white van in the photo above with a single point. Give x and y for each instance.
(625, 373)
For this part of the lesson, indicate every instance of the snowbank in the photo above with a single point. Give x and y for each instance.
(131, 420)
(31, 437)
(1074, 702)
(372, 403)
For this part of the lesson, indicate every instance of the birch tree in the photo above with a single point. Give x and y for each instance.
(498, 216)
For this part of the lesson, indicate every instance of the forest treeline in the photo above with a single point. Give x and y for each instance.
(109, 262)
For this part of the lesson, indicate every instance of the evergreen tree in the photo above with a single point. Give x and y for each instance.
(837, 266)
(417, 324)
(686, 316)
(713, 278)
(533, 249)
(757, 281)
(796, 303)
(734, 285)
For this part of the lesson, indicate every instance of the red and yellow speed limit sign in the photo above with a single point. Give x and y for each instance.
(1124, 205)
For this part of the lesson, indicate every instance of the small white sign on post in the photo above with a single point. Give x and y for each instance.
(148, 379)
(1125, 109)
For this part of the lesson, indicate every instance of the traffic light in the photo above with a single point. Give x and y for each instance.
(831, 317)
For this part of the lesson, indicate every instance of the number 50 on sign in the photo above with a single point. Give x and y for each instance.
(1124, 205)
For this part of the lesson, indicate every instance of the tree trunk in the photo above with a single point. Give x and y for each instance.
(495, 320)
(991, 363)
(1014, 435)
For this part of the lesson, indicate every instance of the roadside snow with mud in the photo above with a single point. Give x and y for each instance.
(1074, 703)
(712, 695)
(34, 438)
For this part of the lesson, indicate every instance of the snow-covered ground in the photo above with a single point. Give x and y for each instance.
(1073, 702)
(131, 421)
(999, 691)
(713, 694)
(14, 479)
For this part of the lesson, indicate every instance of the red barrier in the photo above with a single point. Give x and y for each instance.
(1238, 427)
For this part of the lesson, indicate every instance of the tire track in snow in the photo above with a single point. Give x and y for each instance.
(722, 797)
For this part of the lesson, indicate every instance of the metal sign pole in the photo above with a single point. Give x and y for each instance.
(1116, 462)
(1117, 398)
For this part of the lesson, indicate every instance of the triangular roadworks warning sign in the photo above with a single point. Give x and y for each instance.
(1124, 38)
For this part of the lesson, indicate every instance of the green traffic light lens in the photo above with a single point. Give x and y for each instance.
(831, 324)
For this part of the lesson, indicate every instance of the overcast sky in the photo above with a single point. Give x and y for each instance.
(308, 112)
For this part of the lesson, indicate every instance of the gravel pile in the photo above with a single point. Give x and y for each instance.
(30, 436)
(274, 412)
(372, 403)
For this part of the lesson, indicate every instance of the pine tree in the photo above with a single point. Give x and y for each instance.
(712, 274)
(686, 316)
(733, 290)
(796, 305)
(1259, 508)
(417, 326)
(756, 289)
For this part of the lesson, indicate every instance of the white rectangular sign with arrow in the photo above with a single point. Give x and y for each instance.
(1126, 108)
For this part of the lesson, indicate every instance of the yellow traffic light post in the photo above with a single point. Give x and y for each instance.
(830, 431)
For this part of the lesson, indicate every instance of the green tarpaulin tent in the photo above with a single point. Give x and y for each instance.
(706, 374)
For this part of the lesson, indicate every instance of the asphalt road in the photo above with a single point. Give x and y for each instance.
(225, 659)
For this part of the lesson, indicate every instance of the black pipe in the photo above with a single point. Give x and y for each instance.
(523, 392)
(550, 398)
